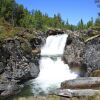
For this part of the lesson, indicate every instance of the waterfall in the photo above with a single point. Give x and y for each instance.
(54, 45)
(53, 71)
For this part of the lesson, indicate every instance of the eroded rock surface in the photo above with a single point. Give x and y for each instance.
(92, 55)
(73, 51)
(18, 63)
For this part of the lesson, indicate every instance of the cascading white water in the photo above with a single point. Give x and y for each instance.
(54, 45)
(52, 69)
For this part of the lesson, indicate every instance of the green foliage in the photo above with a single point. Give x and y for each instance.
(81, 25)
(20, 14)
(17, 15)
(97, 22)
(90, 23)
(27, 21)
(49, 97)
(7, 9)
(6, 30)
(97, 25)
(38, 20)
(57, 21)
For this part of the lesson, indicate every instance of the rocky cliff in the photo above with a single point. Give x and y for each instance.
(73, 52)
(91, 56)
(19, 57)
(84, 55)
(18, 62)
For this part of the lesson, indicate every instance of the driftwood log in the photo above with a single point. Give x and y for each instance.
(82, 83)
(76, 93)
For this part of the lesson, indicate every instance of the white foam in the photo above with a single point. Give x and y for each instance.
(53, 71)
(54, 45)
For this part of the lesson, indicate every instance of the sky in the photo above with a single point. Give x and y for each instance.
(73, 10)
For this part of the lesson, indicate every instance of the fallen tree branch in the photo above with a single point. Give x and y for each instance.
(76, 93)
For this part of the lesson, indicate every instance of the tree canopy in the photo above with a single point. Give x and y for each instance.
(17, 15)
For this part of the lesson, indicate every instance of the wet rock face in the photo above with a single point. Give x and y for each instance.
(82, 54)
(38, 40)
(17, 65)
(92, 55)
(12, 89)
(35, 42)
(73, 51)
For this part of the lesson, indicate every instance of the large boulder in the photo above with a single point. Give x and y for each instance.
(17, 65)
(11, 89)
(38, 40)
(91, 55)
(73, 51)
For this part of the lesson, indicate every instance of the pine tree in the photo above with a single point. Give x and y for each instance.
(90, 23)
(97, 23)
(38, 19)
(7, 9)
(80, 25)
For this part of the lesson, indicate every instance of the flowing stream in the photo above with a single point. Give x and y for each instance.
(52, 69)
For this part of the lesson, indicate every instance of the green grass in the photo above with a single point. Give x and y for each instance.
(39, 98)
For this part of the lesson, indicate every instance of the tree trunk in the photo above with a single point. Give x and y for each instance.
(82, 83)
(69, 93)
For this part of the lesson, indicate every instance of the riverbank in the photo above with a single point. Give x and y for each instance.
(53, 97)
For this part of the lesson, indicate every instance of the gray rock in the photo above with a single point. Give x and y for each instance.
(34, 71)
(3, 87)
(73, 51)
(17, 65)
(92, 55)
(12, 89)
(54, 32)
(1, 67)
